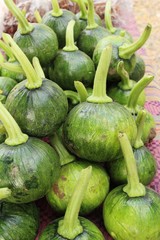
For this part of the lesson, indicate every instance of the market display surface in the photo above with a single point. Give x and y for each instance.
(97, 136)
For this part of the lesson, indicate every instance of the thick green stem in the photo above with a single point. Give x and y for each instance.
(1, 57)
(37, 67)
(7, 51)
(127, 50)
(133, 188)
(70, 227)
(12, 67)
(91, 21)
(24, 26)
(82, 91)
(83, 10)
(64, 155)
(99, 88)
(57, 11)
(33, 80)
(125, 83)
(70, 45)
(107, 17)
(136, 91)
(5, 193)
(73, 96)
(140, 125)
(15, 135)
(37, 16)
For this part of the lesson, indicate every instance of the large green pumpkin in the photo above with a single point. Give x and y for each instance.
(18, 222)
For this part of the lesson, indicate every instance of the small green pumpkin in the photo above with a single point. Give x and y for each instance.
(38, 105)
(18, 222)
(28, 166)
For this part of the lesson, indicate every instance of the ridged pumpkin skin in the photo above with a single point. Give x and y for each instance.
(38, 112)
(41, 43)
(90, 231)
(18, 222)
(146, 167)
(28, 169)
(59, 25)
(133, 218)
(139, 69)
(62, 189)
(76, 66)
(91, 130)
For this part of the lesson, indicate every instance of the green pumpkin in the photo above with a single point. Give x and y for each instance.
(132, 211)
(28, 166)
(38, 105)
(90, 36)
(57, 19)
(139, 69)
(76, 64)
(18, 222)
(90, 129)
(123, 49)
(35, 40)
(6, 85)
(71, 226)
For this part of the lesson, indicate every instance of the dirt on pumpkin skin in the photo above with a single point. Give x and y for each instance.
(57, 191)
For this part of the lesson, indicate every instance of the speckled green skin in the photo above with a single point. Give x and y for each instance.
(90, 231)
(128, 218)
(59, 25)
(28, 169)
(18, 222)
(18, 77)
(89, 38)
(91, 130)
(42, 43)
(121, 96)
(139, 69)
(83, 22)
(70, 66)
(38, 112)
(146, 166)
(62, 189)
(6, 85)
(116, 42)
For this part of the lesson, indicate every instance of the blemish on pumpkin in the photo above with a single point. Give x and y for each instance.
(63, 178)
(57, 191)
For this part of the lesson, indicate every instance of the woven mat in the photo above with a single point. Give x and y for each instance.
(153, 106)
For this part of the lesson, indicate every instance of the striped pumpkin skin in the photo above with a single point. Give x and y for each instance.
(28, 169)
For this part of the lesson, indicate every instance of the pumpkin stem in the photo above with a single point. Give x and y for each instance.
(37, 67)
(133, 188)
(56, 10)
(70, 46)
(99, 88)
(37, 16)
(7, 51)
(33, 80)
(127, 50)
(107, 17)
(5, 193)
(64, 155)
(12, 67)
(15, 135)
(73, 96)
(126, 83)
(140, 125)
(70, 227)
(136, 91)
(91, 21)
(82, 91)
(83, 10)
(23, 25)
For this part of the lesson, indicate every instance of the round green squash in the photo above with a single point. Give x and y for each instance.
(28, 166)
(139, 69)
(6, 85)
(18, 222)
(57, 19)
(76, 64)
(123, 49)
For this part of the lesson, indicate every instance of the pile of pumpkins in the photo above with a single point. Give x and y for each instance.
(73, 128)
